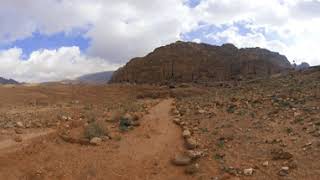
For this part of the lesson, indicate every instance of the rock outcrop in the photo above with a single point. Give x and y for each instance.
(192, 62)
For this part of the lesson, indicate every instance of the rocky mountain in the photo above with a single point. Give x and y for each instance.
(302, 66)
(96, 78)
(192, 62)
(7, 81)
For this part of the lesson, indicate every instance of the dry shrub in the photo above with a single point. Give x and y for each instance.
(94, 129)
(153, 94)
(187, 92)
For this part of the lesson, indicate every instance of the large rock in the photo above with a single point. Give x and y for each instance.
(192, 62)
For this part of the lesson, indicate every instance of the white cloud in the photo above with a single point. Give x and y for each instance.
(253, 39)
(295, 23)
(120, 30)
(19, 19)
(49, 65)
(132, 28)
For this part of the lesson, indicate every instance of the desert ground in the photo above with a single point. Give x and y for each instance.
(252, 129)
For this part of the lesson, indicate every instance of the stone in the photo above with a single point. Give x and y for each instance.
(18, 131)
(280, 154)
(194, 154)
(201, 111)
(176, 121)
(284, 171)
(265, 164)
(19, 124)
(186, 133)
(96, 141)
(191, 143)
(181, 160)
(192, 169)
(105, 138)
(65, 118)
(296, 114)
(248, 172)
(18, 139)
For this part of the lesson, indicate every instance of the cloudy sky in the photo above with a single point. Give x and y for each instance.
(48, 40)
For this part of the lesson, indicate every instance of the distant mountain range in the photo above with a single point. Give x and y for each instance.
(7, 81)
(95, 78)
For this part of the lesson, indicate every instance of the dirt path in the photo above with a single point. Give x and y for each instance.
(149, 149)
(143, 153)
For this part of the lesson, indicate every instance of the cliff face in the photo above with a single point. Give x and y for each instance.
(191, 62)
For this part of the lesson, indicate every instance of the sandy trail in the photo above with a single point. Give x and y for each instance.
(143, 153)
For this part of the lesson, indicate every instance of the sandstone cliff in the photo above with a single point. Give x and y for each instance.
(192, 62)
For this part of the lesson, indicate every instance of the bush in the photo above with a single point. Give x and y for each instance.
(125, 124)
(94, 130)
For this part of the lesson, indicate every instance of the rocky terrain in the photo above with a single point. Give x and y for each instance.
(7, 81)
(251, 129)
(192, 62)
(227, 113)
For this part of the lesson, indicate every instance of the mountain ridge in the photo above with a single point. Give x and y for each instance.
(8, 81)
(193, 62)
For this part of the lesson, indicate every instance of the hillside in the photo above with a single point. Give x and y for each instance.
(192, 62)
(96, 78)
(7, 81)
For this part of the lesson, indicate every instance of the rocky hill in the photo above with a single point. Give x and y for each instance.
(7, 81)
(96, 78)
(192, 62)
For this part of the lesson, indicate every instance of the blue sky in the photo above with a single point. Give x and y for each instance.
(40, 41)
(75, 37)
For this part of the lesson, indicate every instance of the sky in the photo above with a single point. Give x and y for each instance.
(51, 40)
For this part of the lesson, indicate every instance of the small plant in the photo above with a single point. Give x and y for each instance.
(94, 130)
(204, 130)
(91, 117)
(298, 120)
(218, 156)
(124, 124)
(289, 130)
(220, 143)
(231, 109)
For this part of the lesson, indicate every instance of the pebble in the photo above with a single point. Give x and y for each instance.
(248, 172)
(265, 164)
(19, 124)
(194, 154)
(284, 171)
(18, 139)
(192, 169)
(181, 160)
(201, 111)
(186, 133)
(96, 141)
(191, 143)
(18, 131)
(176, 121)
